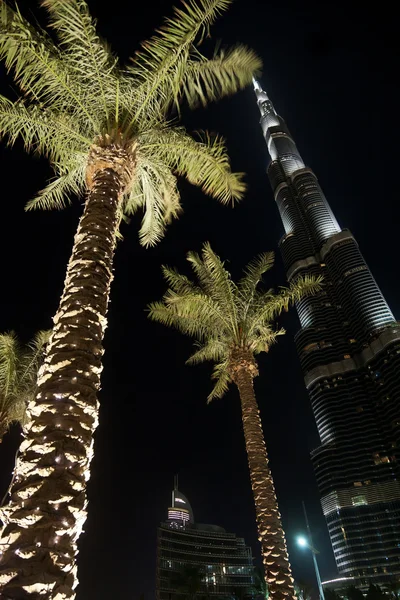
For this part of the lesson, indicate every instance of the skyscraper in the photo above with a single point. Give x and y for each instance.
(202, 559)
(349, 349)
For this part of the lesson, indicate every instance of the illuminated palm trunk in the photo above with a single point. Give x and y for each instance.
(270, 533)
(48, 498)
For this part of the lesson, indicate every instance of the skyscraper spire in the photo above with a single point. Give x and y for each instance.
(349, 349)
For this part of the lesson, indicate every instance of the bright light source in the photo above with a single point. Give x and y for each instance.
(302, 541)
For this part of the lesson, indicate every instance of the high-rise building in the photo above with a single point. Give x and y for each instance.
(193, 554)
(349, 349)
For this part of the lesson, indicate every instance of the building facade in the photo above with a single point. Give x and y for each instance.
(200, 560)
(349, 349)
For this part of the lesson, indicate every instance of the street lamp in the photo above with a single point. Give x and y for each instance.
(302, 541)
(306, 542)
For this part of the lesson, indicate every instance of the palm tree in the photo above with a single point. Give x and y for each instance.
(107, 131)
(232, 324)
(18, 372)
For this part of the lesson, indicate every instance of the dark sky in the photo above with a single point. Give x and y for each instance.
(331, 70)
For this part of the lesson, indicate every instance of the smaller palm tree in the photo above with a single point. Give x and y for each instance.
(18, 372)
(232, 323)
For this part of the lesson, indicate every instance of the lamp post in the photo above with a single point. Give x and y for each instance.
(306, 542)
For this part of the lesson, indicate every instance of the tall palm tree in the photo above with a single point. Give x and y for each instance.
(18, 373)
(232, 323)
(107, 131)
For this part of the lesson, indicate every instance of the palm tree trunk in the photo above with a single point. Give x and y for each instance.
(273, 545)
(48, 502)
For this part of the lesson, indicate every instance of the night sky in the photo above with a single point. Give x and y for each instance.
(332, 73)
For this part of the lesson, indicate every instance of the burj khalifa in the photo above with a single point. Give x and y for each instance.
(349, 349)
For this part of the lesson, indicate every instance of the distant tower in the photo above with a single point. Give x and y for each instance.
(186, 549)
(349, 349)
(180, 513)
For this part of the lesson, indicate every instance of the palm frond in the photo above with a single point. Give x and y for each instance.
(254, 272)
(272, 305)
(56, 195)
(264, 338)
(155, 189)
(18, 374)
(39, 69)
(85, 53)
(173, 316)
(206, 80)
(224, 289)
(10, 357)
(32, 359)
(162, 60)
(40, 130)
(204, 163)
(222, 380)
(180, 284)
(212, 350)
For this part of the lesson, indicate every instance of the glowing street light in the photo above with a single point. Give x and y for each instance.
(306, 542)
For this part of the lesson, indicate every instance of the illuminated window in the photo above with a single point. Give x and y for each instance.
(357, 484)
(359, 500)
(352, 341)
(347, 356)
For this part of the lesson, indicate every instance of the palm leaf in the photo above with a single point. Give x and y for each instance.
(224, 290)
(40, 130)
(222, 380)
(206, 80)
(155, 189)
(86, 55)
(274, 305)
(212, 350)
(165, 55)
(38, 68)
(31, 360)
(169, 315)
(10, 356)
(56, 195)
(204, 163)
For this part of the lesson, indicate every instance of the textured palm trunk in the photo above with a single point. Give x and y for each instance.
(270, 533)
(48, 502)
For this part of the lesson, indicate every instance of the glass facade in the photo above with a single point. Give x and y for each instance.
(349, 349)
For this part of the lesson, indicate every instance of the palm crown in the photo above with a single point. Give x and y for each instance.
(223, 315)
(75, 94)
(18, 372)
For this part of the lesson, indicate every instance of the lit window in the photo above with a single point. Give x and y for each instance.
(357, 484)
(359, 500)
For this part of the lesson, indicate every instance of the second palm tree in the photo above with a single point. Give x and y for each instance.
(232, 324)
